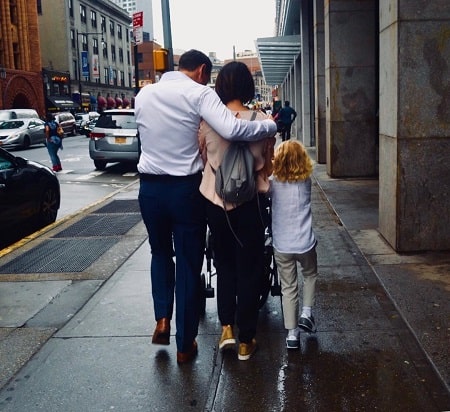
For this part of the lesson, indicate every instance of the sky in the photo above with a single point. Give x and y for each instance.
(216, 25)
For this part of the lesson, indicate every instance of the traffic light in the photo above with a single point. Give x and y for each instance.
(161, 60)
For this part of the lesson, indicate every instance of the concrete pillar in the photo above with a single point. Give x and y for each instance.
(297, 97)
(306, 71)
(414, 205)
(351, 68)
(319, 83)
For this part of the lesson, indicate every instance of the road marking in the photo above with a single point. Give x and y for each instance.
(90, 175)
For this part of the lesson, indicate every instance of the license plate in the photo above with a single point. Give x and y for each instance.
(120, 140)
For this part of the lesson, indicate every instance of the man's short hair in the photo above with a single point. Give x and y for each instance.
(192, 59)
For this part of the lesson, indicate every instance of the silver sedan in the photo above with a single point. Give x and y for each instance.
(22, 133)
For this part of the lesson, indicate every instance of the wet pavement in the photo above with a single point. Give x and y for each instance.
(79, 339)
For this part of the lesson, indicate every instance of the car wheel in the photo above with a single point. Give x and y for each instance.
(74, 131)
(100, 164)
(48, 209)
(26, 142)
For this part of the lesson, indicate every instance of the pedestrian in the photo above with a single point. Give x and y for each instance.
(286, 117)
(53, 141)
(168, 115)
(293, 236)
(237, 230)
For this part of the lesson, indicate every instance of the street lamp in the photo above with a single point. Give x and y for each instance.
(79, 57)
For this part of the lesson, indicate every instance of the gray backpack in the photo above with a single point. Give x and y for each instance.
(235, 177)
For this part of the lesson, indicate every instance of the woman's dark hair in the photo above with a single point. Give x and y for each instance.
(192, 59)
(235, 81)
(50, 117)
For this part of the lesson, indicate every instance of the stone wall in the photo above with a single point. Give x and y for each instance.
(351, 69)
(415, 125)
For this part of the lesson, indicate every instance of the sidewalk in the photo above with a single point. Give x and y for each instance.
(76, 321)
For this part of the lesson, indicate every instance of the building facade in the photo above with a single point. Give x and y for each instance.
(89, 41)
(20, 68)
(369, 80)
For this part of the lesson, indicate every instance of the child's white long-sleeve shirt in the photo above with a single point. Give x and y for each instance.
(291, 216)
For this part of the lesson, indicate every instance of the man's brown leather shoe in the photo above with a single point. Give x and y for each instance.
(185, 357)
(161, 335)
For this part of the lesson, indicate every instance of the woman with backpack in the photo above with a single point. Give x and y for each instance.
(54, 141)
(237, 229)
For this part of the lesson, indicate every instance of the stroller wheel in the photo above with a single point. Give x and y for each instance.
(209, 292)
(202, 295)
(275, 290)
(266, 283)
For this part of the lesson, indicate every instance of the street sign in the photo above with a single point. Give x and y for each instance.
(138, 19)
(138, 29)
(138, 35)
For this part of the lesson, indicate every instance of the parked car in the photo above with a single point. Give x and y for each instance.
(82, 119)
(67, 121)
(114, 138)
(22, 133)
(88, 127)
(10, 114)
(29, 196)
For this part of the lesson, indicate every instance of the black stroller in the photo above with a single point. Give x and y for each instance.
(270, 281)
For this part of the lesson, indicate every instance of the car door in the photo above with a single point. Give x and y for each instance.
(36, 130)
(14, 205)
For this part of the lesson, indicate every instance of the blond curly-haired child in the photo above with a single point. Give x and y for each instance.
(293, 236)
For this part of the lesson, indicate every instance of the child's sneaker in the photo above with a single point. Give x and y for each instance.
(307, 323)
(246, 350)
(227, 340)
(293, 339)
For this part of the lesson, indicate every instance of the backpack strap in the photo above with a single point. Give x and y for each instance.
(253, 117)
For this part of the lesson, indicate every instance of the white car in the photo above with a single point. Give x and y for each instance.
(11, 114)
(114, 138)
(22, 133)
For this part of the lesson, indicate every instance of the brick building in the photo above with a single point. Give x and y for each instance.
(20, 62)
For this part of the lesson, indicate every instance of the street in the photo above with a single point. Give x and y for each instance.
(81, 185)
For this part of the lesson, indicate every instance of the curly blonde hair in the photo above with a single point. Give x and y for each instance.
(292, 162)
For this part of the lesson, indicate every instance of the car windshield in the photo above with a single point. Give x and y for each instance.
(11, 125)
(117, 121)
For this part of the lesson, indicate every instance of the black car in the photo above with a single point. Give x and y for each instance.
(29, 197)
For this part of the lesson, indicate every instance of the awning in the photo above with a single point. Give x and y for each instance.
(61, 103)
(276, 56)
(110, 103)
(101, 101)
